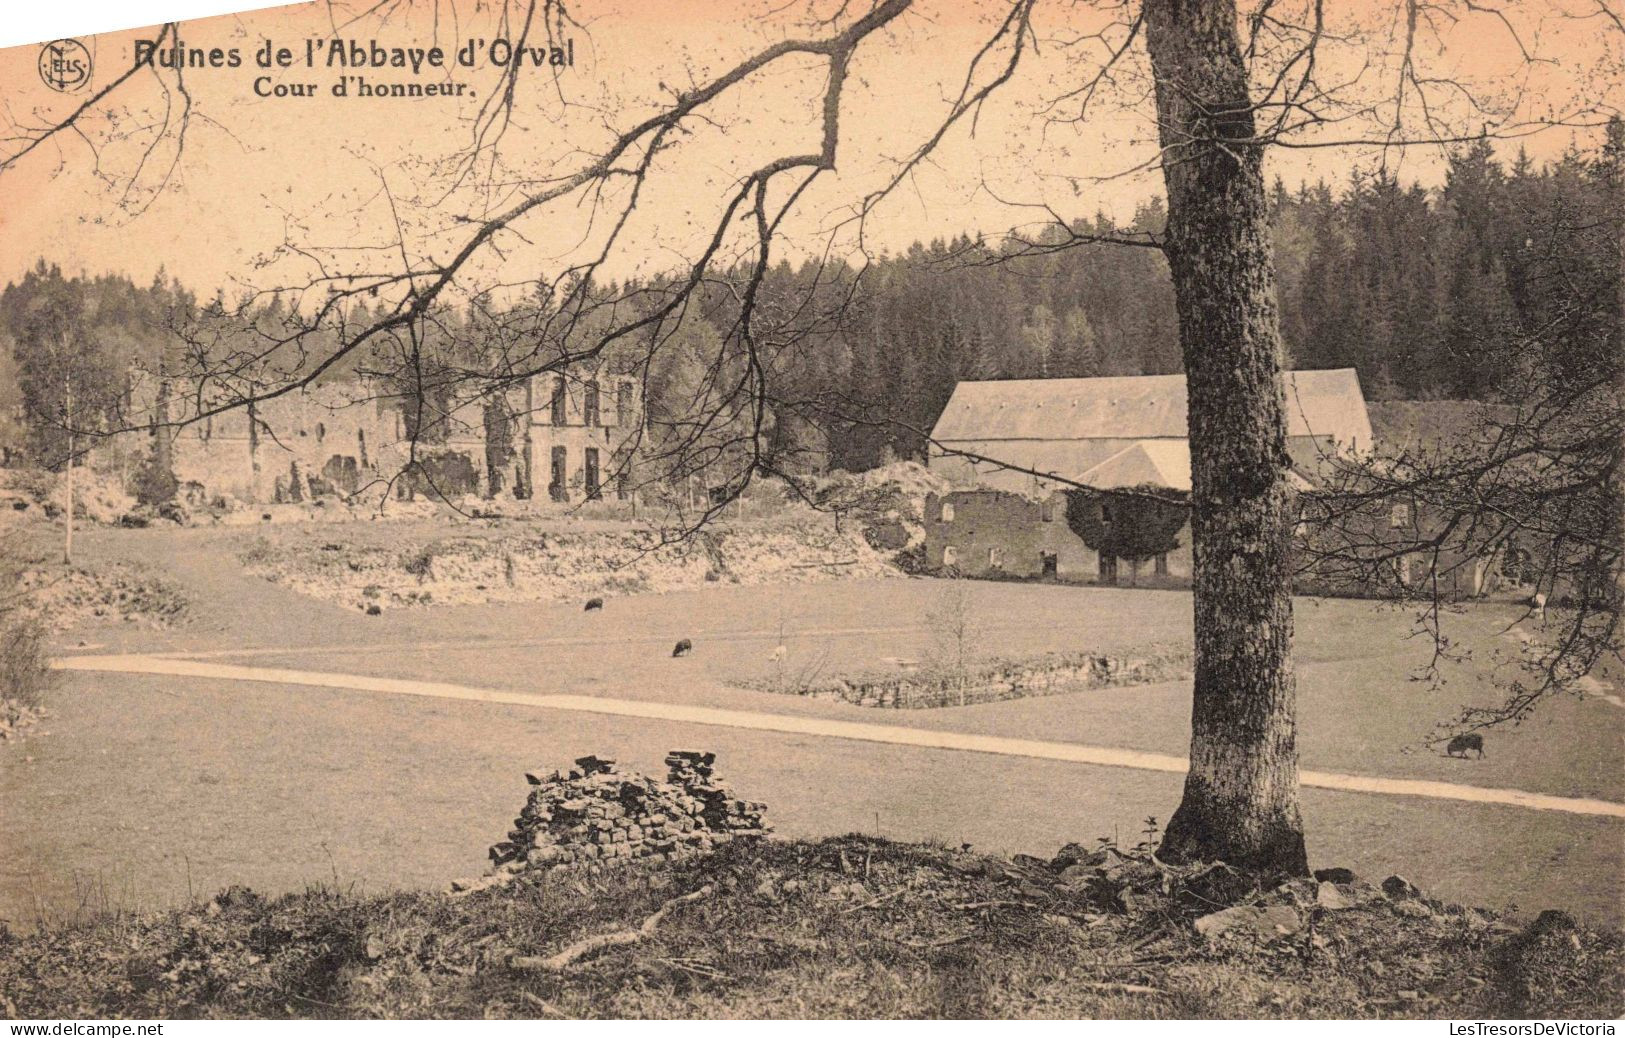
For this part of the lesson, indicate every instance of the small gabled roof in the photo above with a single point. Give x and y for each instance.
(1157, 463)
(1142, 407)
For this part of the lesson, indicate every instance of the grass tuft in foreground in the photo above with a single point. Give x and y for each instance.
(847, 927)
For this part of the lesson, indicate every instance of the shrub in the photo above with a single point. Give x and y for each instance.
(258, 552)
(25, 667)
(153, 483)
(420, 562)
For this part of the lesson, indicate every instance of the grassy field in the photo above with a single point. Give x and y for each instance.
(147, 791)
(277, 787)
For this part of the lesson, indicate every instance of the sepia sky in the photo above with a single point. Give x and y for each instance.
(271, 191)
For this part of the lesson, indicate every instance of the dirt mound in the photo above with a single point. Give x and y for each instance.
(97, 497)
(839, 928)
(64, 598)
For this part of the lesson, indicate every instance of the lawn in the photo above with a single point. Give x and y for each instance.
(278, 787)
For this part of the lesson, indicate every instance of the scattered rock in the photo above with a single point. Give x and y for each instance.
(1077, 875)
(1335, 875)
(1266, 923)
(1413, 909)
(1551, 921)
(1399, 888)
(1327, 896)
(1071, 854)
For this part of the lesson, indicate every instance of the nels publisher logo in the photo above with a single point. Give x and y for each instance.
(64, 65)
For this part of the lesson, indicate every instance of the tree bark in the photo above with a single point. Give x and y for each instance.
(67, 407)
(1240, 803)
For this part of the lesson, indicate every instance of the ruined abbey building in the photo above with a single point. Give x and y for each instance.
(565, 437)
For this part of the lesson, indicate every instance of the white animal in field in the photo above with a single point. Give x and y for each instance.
(1539, 604)
(779, 653)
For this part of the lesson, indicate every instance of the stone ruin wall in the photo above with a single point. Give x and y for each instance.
(336, 440)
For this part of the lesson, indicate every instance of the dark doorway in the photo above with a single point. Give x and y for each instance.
(555, 483)
(589, 409)
(592, 473)
(342, 474)
(557, 403)
(1108, 569)
(1050, 566)
(623, 404)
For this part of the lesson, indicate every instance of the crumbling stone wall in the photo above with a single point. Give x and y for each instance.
(593, 815)
(336, 437)
(992, 680)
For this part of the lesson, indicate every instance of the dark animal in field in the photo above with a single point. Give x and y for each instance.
(594, 604)
(682, 648)
(1459, 746)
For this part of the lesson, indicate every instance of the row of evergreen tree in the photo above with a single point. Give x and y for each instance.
(1429, 293)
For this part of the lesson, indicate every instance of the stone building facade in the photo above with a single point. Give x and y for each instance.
(994, 533)
(564, 437)
(1013, 448)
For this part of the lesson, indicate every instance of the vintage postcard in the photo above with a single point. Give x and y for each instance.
(834, 509)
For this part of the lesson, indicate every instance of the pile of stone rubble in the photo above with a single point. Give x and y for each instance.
(593, 815)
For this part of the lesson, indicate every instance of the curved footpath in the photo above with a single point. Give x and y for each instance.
(821, 727)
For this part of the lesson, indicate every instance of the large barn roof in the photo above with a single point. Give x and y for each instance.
(1142, 407)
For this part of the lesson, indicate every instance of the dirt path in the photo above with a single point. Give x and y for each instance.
(824, 727)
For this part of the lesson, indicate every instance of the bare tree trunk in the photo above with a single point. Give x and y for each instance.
(67, 403)
(1240, 803)
(254, 452)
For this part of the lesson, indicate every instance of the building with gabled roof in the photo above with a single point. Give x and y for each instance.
(1005, 434)
(1017, 451)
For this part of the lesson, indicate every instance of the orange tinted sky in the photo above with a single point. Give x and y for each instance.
(256, 173)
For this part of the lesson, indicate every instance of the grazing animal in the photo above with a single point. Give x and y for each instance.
(594, 604)
(1539, 603)
(1459, 746)
(779, 653)
(682, 648)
